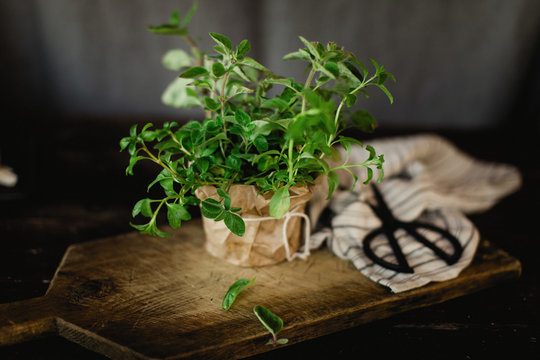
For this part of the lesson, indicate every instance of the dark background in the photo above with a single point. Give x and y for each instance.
(77, 74)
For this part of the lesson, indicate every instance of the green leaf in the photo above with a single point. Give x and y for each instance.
(164, 174)
(175, 214)
(194, 72)
(364, 121)
(223, 194)
(375, 65)
(332, 68)
(143, 207)
(235, 224)
(297, 55)
(189, 15)
(174, 19)
(252, 63)
(210, 208)
(242, 117)
(218, 69)
(124, 143)
(387, 92)
(176, 59)
(310, 47)
(236, 89)
(133, 130)
(344, 139)
(202, 164)
(233, 162)
(179, 95)
(372, 153)
(222, 40)
(280, 202)
(282, 341)
(168, 30)
(132, 161)
(333, 182)
(221, 215)
(264, 163)
(354, 70)
(235, 289)
(211, 104)
(351, 99)
(271, 322)
(369, 175)
(273, 103)
(243, 47)
(261, 143)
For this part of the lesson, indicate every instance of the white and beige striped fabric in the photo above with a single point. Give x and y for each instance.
(427, 179)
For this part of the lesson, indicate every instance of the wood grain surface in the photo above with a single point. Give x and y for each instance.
(137, 297)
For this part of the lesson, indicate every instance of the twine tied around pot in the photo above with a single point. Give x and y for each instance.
(307, 233)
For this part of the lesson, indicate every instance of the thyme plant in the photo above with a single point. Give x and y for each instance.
(247, 136)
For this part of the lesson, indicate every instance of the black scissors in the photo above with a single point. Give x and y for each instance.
(389, 227)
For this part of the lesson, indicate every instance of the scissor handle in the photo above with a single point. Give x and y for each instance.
(412, 229)
(402, 264)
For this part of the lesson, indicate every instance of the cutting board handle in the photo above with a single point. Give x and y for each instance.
(26, 320)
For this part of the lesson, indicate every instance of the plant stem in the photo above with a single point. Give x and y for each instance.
(308, 82)
(222, 100)
(158, 161)
(364, 164)
(179, 143)
(290, 160)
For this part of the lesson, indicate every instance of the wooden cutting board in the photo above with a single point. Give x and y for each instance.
(137, 297)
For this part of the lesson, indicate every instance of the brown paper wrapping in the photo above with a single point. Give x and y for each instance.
(262, 243)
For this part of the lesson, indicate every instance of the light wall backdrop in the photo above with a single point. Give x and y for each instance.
(458, 63)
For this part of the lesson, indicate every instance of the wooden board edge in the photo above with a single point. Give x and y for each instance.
(96, 343)
(358, 316)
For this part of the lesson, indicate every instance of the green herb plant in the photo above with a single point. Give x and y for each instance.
(248, 136)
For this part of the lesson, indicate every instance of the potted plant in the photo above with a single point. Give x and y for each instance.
(251, 164)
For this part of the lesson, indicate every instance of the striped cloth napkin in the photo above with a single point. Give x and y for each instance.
(427, 179)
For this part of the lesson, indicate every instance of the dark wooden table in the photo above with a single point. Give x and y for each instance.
(73, 189)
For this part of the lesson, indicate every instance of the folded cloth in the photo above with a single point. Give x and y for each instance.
(427, 180)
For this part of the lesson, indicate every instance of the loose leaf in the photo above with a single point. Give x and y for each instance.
(271, 322)
(233, 292)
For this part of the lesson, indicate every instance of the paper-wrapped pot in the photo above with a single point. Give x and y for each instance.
(262, 243)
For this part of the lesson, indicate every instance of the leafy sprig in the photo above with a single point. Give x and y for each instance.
(272, 323)
(247, 136)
